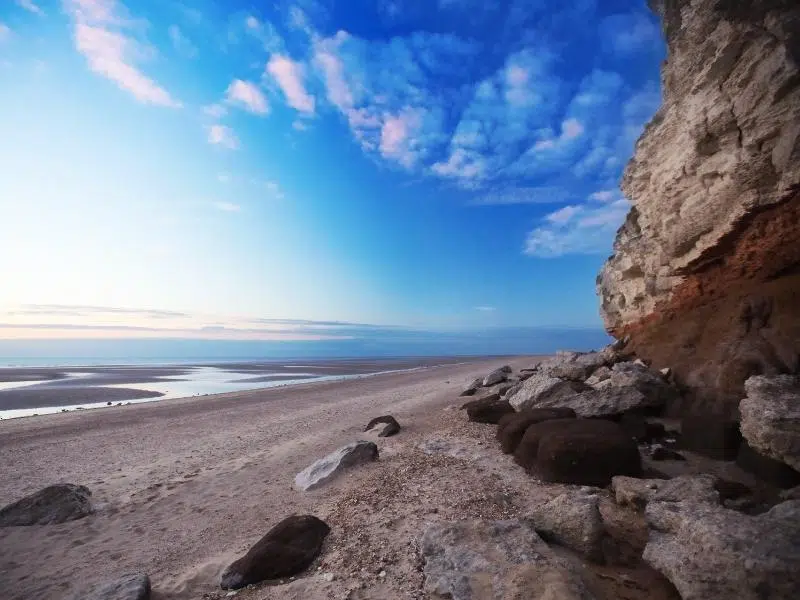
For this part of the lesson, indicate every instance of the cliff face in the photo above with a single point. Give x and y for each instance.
(705, 276)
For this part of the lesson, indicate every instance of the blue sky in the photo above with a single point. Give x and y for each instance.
(244, 166)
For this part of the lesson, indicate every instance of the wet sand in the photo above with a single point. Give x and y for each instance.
(184, 486)
(57, 386)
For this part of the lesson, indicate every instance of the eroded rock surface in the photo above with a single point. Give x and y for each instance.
(488, 560)
(712, 553)
(572, 520)
(705, 275)
(771, 417)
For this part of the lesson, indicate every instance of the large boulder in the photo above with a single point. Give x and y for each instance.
(286, 550)
(488, 560)
(331, 466)
(712, 553)
(489, 410)
(589, 458)
(528, 448)
(543, 391)
(635, 374)
(571, 520)
(473, 387)
(578, 451)
(481, 399)
(512, 427)
(54, 504)
(387, 425)
(134, 586)
(771, 417)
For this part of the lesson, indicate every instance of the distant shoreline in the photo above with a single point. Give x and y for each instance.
(25, 391)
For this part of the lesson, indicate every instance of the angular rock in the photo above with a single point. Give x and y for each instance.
(544, 391)
(482, 399)
(770, 417)
(488, 560)
(712, 553)
(496, 376)
(598, 376)
(332, 465)
(286, 550)
(571, 520)
(638, 493)
(512, 427)
(389, 424)
(638, 376)
(134, 586)
(586, 458)
(54, 504)
(489, 411)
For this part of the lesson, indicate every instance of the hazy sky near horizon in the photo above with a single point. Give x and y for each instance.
(180, 166)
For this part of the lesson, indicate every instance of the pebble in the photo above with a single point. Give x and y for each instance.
(328, 577)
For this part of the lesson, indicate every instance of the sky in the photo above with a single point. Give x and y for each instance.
(315, 171)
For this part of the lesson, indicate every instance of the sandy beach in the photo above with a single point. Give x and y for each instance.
(185, 486)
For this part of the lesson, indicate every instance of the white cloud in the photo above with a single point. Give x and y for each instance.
(222, 135)
(252, 23)
(629, 33)
(99, 36)
(247, 95)
(604, 196)
(522, 195)
(577, 229)
(181, 43)
(223, 178)
(300, 126)
(215, 111)
(485, 308)
(30, 6)
(289, 76)
(397, 136)
(227, 206)
(332, 68)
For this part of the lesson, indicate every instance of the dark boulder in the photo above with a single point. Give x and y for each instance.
(528, 447)
(767, 469)
(473, 387)
(585, 457)
(644, 432)
(287, 549)
(390, 425)
(489, 410)
(54, 504)
(512, 427)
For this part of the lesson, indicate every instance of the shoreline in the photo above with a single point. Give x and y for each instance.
(57, 390)
(182, 486)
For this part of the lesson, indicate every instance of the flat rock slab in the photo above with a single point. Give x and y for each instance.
(638, 493)
(712, 553)
(331, 466)
(544, 391)
(495, 560)
(53, 504)
(286, 550)
(134, 586)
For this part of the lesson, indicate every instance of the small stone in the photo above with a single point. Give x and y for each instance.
(328, 577)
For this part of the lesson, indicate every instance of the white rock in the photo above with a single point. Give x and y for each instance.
(329, 467)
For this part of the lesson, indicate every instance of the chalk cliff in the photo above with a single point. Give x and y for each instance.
(705, 275)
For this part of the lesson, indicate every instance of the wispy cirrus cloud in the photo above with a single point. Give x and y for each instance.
(102, 34)
(222, 135)
(182, 44)
(289, 76)
(31, 7)
(579, 228)
(248, 96)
